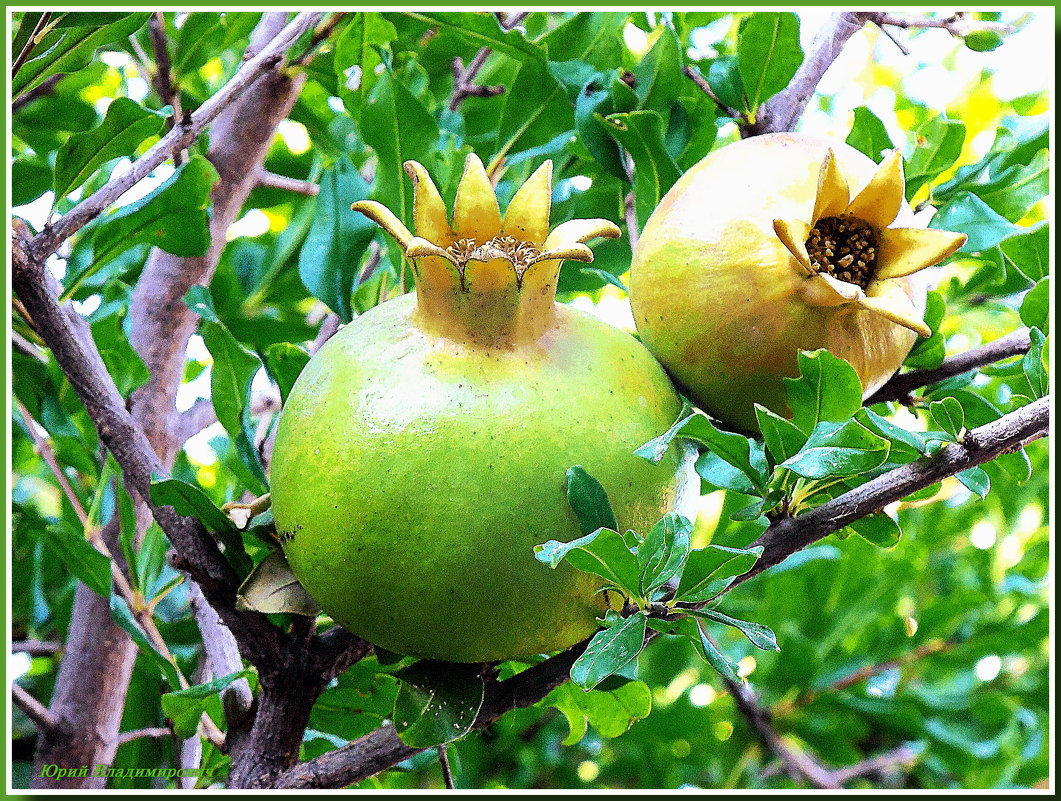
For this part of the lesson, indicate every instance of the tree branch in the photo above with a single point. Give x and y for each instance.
(463, 77)
(783, 110)
(45, 243)
(42, 718)
(45, 88)
(1007, 434)
(956, 25)
(382, 748)
(274, 181)
(900, 386)
(137, 734)
(36, 647)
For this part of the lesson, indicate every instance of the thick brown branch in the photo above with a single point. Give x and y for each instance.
(1005, 435)
(45, 243)
(901, 385)
(382, 749)
(783, 110)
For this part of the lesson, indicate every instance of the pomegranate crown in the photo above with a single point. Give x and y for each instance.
(851, 256)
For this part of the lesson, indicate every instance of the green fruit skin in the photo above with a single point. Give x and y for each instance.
(413, 475)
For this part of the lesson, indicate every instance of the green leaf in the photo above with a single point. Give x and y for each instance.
(724, 78)
(67, 50)
(1015, 190)
(173, 217)
(839, 449)
(744, 454)
(186, 707)
(949, 415)
(707, 570)
(1035, 308)
(906, 446)
(483, 30)
(714, 657)
(535, 111)
(662, 554)
(80, 558)
(126, 125)
(760, 636)
(879, 529)
(782, 437)
(869, 135)
(330, 260)
(603, 553)
(121, 359)
(1028, 251)
(720, 474)
(828, 389)
(658, 76)
(589, 501)
(610, 650)
(601, 96)
(768, 54)
(1035, 366)
(610, 711)
(976, 480)
(969, 215)
(272, 588)
(123, 616)
(357, 50)
(397, 127)
(939, 142)
(285, 361)
(928, 353)
(437, 702)
(641, 133)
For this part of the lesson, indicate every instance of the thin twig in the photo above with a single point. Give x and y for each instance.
(45, 88)
(27, 48)
(274, 181)
(27, 348)
(36, 647)
(694, 75)
(903, 756)
(900, 386)
(162, 78)
(463, 77)
(45, 243)
(44, 449)
(956, 25)
(137, 734)
(41, 716)
(510, 21)
(319, 35)
(447, 773)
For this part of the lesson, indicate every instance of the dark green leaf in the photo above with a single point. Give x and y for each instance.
(123, 616)
(641, 134)
(938, 143)
(782, 437)
(186, 707)
(285, 361)
(603, 553)
(589, 501)
(879, 529)
(67, 50)
(437, 702)
(80, 558)
(272, 588)
(483, 30)
(610, 650)
(707, 567)
(189, 500)
(714, 657)
(1035, 308)
(173, 217)
(828, 389)
(658, 76)
(837, 450)
(535, 111)
(760, 636)
(976, 480)
(662, 554)
(949, 415)
(724, 78)
(334, 248)
(768, 54)
(1028, 250)
(609, 711)
(126, 125)
(869, 135)
(1034, 364)
(969, 215)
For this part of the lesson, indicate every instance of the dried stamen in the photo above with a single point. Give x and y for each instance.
(845, 248)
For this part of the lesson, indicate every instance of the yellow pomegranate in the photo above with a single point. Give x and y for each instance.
(776, 244)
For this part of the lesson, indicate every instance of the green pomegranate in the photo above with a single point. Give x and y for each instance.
(776, 244)
(423, 451)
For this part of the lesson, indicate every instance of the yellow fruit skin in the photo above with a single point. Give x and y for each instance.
(716, 295)
(414, 474)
